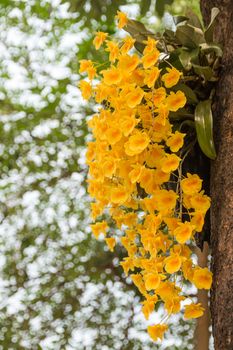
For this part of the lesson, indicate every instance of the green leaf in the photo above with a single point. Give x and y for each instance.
(187, 57)
(169, 35)
(189, 93)
(173, 59)
(193, 19)
(204, 71)
(189, 36)
(181, 114)
(139, 47)
(204, 128)
(208, 48)
(209, 32)
(138, 32)
(179, 19)
(189, 123)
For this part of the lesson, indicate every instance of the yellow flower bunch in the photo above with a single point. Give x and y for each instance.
(135, 175)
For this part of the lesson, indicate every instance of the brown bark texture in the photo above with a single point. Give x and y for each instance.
(221, 181)
(202, 334)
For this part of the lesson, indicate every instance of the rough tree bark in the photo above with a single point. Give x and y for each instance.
(202, 334)
(222, 182)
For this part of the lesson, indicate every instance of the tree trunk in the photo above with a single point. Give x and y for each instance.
(221, 182)
(202, 334)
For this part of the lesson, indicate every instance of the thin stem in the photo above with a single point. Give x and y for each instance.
(180, 189)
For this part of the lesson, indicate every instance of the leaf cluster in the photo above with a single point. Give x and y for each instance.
(191, 49)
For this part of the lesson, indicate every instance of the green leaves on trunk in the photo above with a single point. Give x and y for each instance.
(188, 57)
(189, 36)
(204, 128)
(189, 93)
(138, 32)
(190, 49)
(210, 29)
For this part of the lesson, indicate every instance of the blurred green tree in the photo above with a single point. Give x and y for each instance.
(60, 289)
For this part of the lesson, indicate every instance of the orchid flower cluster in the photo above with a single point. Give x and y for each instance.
(142, 199)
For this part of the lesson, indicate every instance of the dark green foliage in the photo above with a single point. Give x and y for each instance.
(187, 48)
(204, 128)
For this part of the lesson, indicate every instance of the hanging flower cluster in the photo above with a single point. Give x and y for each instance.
(142, 198)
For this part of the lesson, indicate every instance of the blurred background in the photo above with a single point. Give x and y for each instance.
(59, 287)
